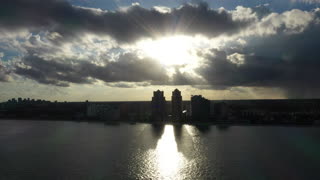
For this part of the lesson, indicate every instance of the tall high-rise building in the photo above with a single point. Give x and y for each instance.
(200, 108)
(158, 104)
(176, 105)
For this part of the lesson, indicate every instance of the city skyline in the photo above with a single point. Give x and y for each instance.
(159, 110)
(173, 94)
(186, 97)
(120, 50)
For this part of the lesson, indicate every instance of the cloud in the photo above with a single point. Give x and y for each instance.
(289, 22)
(128, 84)
(4, 73)
(220, 71)
(261, 10)
(307, 1)
(135, 22)
(4, 77)
(294, 21)
(289, 61)
(127, 71)
(62, 44)
(185, 78)
(128, 68)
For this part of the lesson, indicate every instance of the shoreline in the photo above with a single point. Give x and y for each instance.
(167, 122)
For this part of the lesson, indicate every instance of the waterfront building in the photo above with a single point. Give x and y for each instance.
(200, 108)
(221, 111)
(103, 111)
(176, 105)
(158, 106)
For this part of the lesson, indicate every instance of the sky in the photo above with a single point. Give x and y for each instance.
(123, 50)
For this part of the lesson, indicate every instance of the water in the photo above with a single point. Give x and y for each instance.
(71, 150)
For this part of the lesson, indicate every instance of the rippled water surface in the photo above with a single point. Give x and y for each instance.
(71, 150)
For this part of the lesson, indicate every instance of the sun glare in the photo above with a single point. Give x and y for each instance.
(170, 161)
(176, 50)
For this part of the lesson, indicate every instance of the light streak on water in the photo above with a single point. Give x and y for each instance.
(169, 160)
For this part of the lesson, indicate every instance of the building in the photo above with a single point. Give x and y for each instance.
(176, 105)
(158, 106)
(220, 111)
(200, 108)
(103, 111)
(135, 111)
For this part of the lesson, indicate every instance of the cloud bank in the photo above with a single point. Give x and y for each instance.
(127, 68)
(125, 25)
(59, 44)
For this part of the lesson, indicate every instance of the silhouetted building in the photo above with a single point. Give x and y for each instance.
(135, 111)
(200, 108)
(176, 105)
(158, 106)
(220, 111)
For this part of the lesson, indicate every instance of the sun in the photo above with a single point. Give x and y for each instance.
(175, 50)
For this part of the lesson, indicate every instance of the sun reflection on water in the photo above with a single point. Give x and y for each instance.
(163, 160)
(169, 160)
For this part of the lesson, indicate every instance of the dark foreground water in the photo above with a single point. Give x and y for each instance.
(71, 150)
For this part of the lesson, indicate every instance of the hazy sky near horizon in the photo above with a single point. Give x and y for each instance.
(118, 50)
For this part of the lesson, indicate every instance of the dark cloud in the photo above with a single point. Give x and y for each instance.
(123, 25)
(127, 71)
(219, 71)
(4, 74)
(261, 11)
(185, 78)
(287, 61)
(128, 68)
